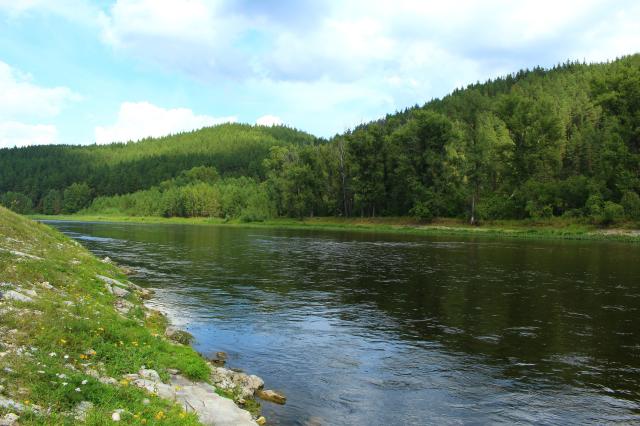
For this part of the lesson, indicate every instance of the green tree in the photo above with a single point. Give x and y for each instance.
(76, 197)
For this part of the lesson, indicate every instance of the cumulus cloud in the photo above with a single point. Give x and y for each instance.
(269, 120)
(23, 104)
(138, 120)
(14, 134)
(407, 51)
(22, 98)
(349, 40)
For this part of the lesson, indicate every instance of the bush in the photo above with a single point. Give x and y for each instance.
(17, 202)
(422, 211)
(536, 211)
(611, 212)
(631, 204)
(594, 206)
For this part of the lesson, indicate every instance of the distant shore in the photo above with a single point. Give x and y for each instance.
(557, 228)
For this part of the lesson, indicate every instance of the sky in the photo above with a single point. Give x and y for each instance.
(83, 72)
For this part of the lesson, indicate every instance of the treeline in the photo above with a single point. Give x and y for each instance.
(534, 144)
(120, 168)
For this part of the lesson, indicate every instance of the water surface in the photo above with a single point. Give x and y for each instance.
(360, 329)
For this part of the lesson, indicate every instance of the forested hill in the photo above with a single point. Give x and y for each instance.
(537, 143)
(233, 149)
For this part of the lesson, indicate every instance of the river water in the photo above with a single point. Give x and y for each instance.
(375, 329)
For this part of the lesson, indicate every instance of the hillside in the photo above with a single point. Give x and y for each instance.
(534, 144)
(233, 149)
(77, 345)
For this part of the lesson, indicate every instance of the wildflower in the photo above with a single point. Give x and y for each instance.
(52, 354)
(134, 343)
(27, 402)
(62, 341)
(124, 382)
(66, 357)
(40, 372)
(83, 356)
(159, 415)
(77, 389)
(85, 381)
(183, 415)
(64, 383)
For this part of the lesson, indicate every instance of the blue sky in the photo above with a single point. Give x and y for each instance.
(79, 72)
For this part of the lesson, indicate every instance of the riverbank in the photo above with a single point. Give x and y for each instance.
(556, 228)
(77, 344)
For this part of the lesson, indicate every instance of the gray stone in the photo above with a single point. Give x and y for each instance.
(14, 295)
(81, 410)
(198, 397)
(9, 419)
(227, 379)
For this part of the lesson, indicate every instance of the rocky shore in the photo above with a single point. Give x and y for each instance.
(78, 345)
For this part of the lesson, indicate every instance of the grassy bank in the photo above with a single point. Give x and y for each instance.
(555, 228)
(63, 342)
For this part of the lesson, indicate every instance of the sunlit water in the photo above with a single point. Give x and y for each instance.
(360, 329)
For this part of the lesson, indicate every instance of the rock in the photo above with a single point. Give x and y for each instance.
(31, 293)
(150, 374)
(114, 286)
(201, 398)
(115, 416)
(123, 306)
(118, 291)
(179, 336)
(219, 359)
(227, 379)
(9, 419)
(271, 395)
(261, 420)
(14, 295)
(81, 410)
(46, 285)
(173, 371)
(10, 404)
(107, 259)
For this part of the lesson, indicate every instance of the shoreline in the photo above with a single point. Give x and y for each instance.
(540, 230)
(78, 344)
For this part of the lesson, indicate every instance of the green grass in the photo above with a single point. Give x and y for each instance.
(76, 321)
(554, 228)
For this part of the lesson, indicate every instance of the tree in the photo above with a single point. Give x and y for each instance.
(76, 197)
(17, 202)
(53, 202)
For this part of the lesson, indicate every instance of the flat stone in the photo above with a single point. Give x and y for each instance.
(81, 410)
(9, 419)
(197, 397)
(14, 295)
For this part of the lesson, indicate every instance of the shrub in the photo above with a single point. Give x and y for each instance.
(631, 204)
(422, 211)
(611, 213)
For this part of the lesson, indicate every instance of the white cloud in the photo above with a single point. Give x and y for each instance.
(138, 120)
(19, 134)
(22, 98)
(23, 104)
(269, 120)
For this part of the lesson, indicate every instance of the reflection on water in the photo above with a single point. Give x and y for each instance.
(378, 329)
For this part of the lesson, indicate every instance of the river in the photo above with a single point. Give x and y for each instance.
(379, 329)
